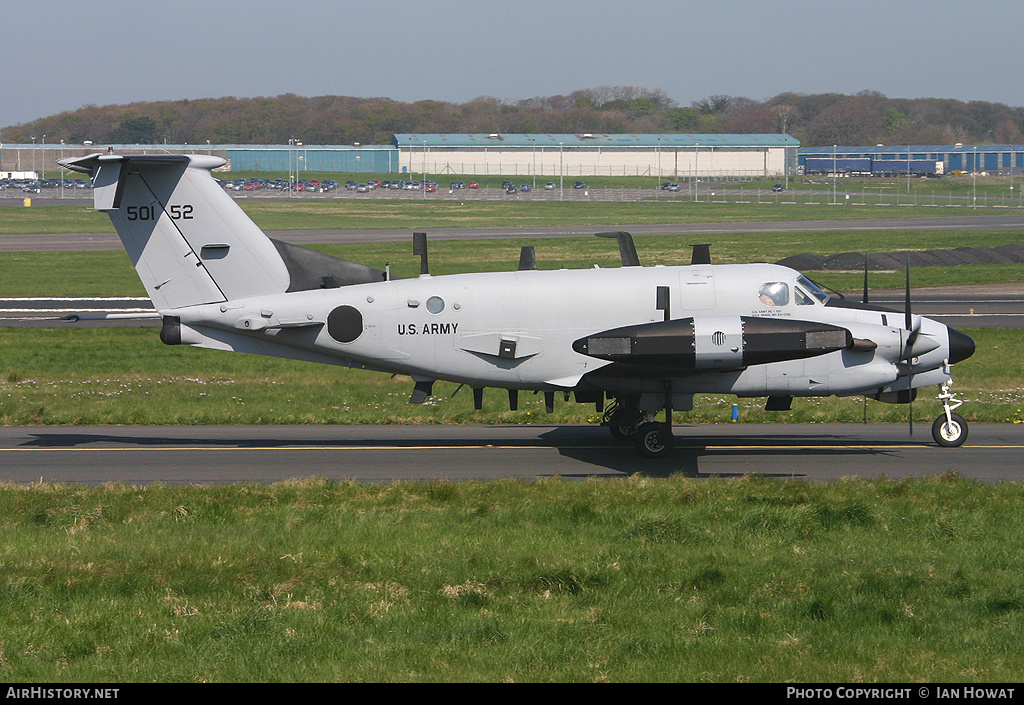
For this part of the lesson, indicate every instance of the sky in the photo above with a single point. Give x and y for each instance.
(63, 55)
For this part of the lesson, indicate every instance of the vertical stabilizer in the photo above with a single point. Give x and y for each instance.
(189, 241)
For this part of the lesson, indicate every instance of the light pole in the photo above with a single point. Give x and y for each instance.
(833, 175)
(534, 141)
(423, 186)
(561, 182)
(696, 179)
(974, 175)
(908, 169)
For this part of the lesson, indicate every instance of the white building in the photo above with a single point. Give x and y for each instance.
(667, 156)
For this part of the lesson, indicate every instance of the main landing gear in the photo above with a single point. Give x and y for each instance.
(949, 430)
(625, 421)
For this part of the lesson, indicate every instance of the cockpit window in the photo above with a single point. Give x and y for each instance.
(801, 298)
(774, 293)
(812, 289)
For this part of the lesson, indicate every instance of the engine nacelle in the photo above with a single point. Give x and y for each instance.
(715, 342)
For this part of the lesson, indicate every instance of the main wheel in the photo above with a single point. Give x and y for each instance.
(952, 433)
(652, 440)
(623, 423)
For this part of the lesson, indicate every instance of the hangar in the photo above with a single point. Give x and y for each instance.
(992, 158)
(667, 156)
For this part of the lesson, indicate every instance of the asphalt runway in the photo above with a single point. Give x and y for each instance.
(205, 455)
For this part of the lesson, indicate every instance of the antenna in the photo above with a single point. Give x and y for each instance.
(419, 247)
(627, 250)
(701, 254)
(527, 258)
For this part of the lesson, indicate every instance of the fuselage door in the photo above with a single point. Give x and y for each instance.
(696, 291)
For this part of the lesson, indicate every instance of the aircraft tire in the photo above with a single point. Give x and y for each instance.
(623, 423)
(622, 433)
(652, 441)
(950, 435)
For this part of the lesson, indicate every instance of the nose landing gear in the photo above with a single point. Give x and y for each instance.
(949, 430)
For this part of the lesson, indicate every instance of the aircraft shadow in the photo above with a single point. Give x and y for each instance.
(689, 451)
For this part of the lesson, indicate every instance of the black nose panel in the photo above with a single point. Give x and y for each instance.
(961, 346)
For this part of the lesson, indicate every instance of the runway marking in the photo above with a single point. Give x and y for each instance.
(681, 448)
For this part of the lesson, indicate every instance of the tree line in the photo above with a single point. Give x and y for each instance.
(815, 120)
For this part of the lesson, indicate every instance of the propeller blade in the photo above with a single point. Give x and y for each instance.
(864, 299)
(909, 319)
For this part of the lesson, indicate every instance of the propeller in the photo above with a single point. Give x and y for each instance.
(908, 350)
(864, 299)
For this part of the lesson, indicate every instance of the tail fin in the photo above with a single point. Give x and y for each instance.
(189, 241)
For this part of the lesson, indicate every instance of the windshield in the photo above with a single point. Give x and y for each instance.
(812, 289)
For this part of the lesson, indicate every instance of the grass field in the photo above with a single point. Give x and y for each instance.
(318, 214)
(675, 580)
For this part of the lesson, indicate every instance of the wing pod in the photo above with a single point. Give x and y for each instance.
(715, 342)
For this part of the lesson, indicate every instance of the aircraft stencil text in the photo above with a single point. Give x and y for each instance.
(428, 329)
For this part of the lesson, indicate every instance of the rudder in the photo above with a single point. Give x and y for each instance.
(188, 240)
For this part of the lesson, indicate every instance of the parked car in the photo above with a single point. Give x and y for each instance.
(474, 184)
(778, 187)
(579, 184)
(549, 185)
(524, 188)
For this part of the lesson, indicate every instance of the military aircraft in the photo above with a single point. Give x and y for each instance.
(645, 337)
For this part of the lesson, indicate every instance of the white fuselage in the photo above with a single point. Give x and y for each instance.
(516, 329)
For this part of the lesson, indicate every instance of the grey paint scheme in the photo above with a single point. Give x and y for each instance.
(221, 283)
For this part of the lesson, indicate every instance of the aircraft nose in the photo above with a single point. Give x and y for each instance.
(961, 346)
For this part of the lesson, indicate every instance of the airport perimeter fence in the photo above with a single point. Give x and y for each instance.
(725, 193)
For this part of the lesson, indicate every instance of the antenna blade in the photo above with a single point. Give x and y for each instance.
(527, 258)
(701, 254)
(419, 247)
(627, 250)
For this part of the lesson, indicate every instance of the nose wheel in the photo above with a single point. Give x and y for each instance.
(949, 430)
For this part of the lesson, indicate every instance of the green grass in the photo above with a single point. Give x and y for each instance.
(317, 214)
(111, 274)
(638, 580)
(126, 376)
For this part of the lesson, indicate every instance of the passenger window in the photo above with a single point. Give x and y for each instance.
(774, 294)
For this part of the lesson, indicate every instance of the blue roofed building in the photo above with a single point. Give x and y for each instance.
(898, 159)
